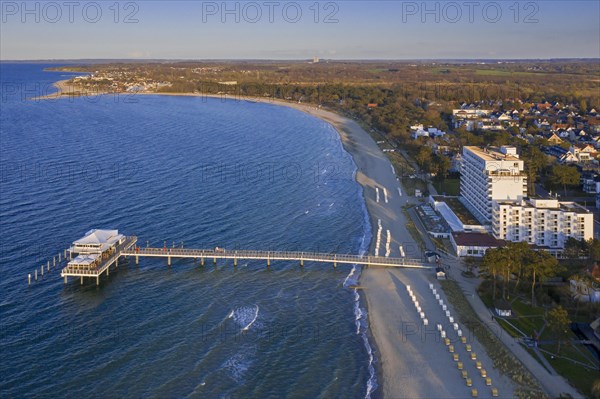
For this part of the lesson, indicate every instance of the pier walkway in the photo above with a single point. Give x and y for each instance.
(128, 248)
(269, 256)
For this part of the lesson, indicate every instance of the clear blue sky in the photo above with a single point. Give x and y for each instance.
(299, 30)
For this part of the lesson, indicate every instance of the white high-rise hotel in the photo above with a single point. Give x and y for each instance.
(493, 185)
(491, 174)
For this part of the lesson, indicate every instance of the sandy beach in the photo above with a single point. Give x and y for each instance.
(413, 361)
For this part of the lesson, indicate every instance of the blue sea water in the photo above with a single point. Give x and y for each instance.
(177, 171)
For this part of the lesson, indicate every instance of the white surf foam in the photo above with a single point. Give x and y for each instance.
(252, 321)
(360, 314)
(245, 317)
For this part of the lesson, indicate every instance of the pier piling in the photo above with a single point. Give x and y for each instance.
(215, 260)
(35, 274)
(48, 266)
(59, 257)
(201, 261)
(54, 261)
(42, 269)
(234, 262)
(169, 261)
(29, 279)
(81, 280)
(137, 260)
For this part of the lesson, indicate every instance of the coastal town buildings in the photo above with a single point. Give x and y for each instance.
(493, 188)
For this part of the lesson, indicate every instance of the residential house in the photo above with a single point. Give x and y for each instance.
(554, 139)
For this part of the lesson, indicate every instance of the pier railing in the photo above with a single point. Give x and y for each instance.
(129, 248)
(277, 255)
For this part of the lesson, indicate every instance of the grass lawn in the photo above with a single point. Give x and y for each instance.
(577, 375)
(450, 186)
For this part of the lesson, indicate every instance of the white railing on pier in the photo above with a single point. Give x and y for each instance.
(277, 255)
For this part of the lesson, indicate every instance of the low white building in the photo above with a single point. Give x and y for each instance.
(473, 244)
(542, 222)
(451, 218)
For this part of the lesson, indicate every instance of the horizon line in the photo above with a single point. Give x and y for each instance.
(296, 59)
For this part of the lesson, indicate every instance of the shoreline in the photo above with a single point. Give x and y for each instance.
(336, 121)
(405, 366)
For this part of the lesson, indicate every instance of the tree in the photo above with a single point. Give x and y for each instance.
(492, 260)
(520, 253)
(572, 248)
(594, 249)
(541, 265)
(583, 106)
(535, 162)
(442, 165)
(423, 157)
(564, 175)
(470, 263)
(559, 323)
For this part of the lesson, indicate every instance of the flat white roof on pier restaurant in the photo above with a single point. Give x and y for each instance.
(84, 260)
(97, 241)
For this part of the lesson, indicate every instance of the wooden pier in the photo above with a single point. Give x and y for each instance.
(127, 247)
